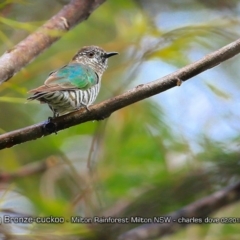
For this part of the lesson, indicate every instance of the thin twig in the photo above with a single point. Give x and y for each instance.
(24, 52)
(27, 170)
(194, 212)
(97, 137)
(106, 108)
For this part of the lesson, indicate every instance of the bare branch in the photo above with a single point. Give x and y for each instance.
(29, 169)
(197, 210)
(106, 108)
(24, 52)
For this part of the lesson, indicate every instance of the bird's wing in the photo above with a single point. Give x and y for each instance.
(71, 76)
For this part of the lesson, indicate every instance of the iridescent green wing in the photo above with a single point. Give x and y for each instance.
(72, 76)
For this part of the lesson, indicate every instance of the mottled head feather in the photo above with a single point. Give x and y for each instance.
(95, 57)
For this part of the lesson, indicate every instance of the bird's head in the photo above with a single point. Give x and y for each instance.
(95, 57)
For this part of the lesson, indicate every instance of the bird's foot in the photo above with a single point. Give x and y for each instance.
(179, 82)
(86, 107)
(50, 126)
(65, 22)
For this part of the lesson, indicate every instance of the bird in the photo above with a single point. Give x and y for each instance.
(76, 84)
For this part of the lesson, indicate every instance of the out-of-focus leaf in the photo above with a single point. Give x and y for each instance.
(218, 91)
(30, 27)
(15, 100)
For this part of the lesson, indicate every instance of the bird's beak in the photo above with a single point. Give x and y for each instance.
(110, 54)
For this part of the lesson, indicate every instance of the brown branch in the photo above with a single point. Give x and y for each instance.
(197, 210)
(24, 52)
(104, 109)
(29, 169)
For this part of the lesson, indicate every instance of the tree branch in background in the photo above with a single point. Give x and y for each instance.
(24, 52)
(106, 108)
(29, 169)
(199, 209)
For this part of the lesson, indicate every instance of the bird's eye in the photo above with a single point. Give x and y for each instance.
(90, 55)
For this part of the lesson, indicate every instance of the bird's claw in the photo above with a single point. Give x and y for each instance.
(65, 22)
(86, 107)
(179, 82)
(50, 126)
(50, 119)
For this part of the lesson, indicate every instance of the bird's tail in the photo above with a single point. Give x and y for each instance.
(36, 96)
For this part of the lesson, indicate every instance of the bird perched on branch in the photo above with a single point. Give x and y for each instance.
(75, 85)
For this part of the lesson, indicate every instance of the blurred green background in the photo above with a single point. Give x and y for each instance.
(148, 159)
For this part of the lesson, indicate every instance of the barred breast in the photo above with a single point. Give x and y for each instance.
(64, 101)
